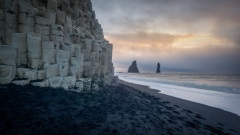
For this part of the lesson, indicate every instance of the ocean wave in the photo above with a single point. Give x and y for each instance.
(200, 81)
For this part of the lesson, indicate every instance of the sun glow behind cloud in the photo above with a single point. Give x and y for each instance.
(196, 41)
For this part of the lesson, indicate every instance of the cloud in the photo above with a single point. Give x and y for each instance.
(140, 45)
(231, 33)
(186, 34)
(186, 16)
(148, 38)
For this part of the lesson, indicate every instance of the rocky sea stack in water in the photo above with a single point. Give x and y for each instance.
(133, 68)
(53, 43)
(158, 68)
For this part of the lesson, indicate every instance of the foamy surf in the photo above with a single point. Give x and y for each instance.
(223, 99)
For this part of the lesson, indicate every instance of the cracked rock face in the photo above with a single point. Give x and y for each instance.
(53, 43)
(133, 68)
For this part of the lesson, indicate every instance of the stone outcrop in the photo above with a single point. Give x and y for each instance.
(158, 68)
(133, 68)
(53, 43)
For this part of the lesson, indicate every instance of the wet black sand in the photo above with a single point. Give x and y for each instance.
(111, 110)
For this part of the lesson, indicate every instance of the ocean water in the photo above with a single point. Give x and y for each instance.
(216, 90)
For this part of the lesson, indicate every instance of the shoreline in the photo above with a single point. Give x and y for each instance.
(123, 109)
(213, 115)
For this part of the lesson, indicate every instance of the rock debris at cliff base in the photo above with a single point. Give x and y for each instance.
(53, 43)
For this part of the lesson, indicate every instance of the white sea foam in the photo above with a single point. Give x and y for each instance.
(213, 90)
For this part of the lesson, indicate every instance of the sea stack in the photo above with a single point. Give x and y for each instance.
(133, 68)
(53, 43)
(158, 68)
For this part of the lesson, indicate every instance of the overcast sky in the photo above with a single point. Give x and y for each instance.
(193, 35)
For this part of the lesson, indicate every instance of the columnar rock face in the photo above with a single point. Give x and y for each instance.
(133, 68)
(53, 43)
(158, 68)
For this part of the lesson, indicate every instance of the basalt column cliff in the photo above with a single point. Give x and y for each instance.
(53, 43)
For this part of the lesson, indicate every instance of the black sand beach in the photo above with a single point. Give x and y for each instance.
(127, 109)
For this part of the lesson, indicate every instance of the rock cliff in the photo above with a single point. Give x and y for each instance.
(133, 68)
(53, 43)
(158, 68)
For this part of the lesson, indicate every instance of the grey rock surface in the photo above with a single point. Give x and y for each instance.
(133, 68)
(53, 43)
